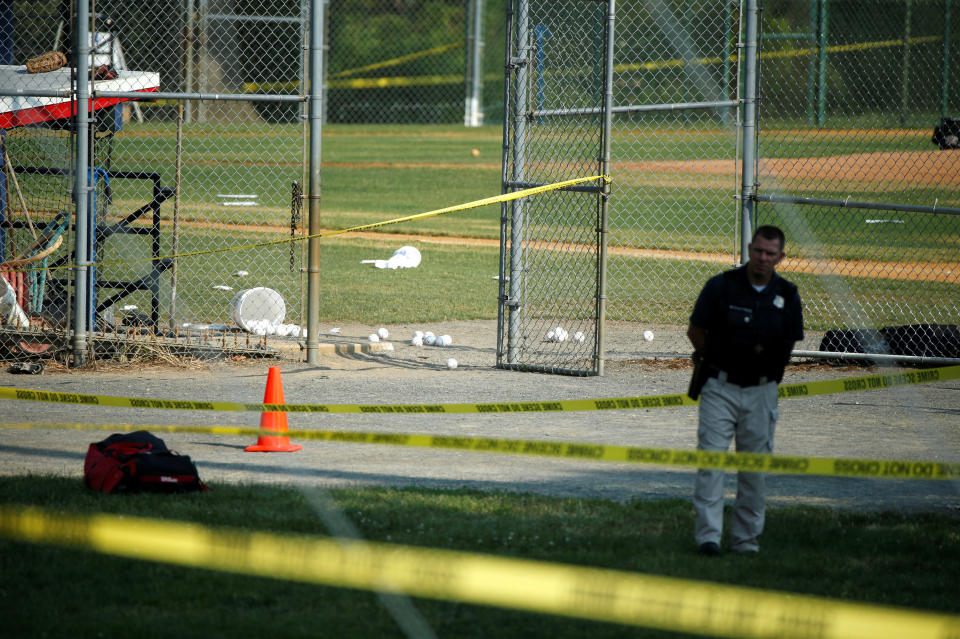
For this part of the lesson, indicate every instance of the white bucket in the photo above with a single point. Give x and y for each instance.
(258, 307)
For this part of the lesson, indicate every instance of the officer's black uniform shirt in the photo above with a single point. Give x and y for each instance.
(749, 333)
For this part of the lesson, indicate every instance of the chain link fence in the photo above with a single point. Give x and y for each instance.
(674, 218)
(849, 94)
(550, 255)
(177, 175)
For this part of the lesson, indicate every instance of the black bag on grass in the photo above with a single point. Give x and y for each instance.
(138, 461)
(947, 135)
(856, 340)
(923, 340)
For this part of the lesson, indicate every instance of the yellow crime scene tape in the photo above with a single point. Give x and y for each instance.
(719, 460)
(496, 199)
(256, 87)
(521, 584)
(767, 55)
(788, 391)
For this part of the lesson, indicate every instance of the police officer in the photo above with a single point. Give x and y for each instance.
(744, 324)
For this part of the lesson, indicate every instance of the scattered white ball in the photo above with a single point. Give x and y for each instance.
(428, 334)
(383, 333)
(285, 330)
(451, 363)
(579, 337)
(648, 335)
(418, 334)
(373, 337)
(444, 340)
(417, 340)
(558, 334)
(429, 339)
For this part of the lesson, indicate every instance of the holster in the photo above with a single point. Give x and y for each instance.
(699, 376)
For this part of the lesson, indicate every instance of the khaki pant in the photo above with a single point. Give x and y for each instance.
(748, 416)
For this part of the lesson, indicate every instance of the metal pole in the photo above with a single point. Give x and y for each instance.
(326, 57)
(175, 236)
(749, 129)
(316, 127)
(502, 296)
(946, 59)
(188, 71)
(82, 191)
(468, 63)
(473, 115)
(822, 64)
(727, 55)
(201, 107)
(812, 64)
(905, 69)
(605, 195)
(518, 207)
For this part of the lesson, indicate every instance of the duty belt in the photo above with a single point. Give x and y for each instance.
(738, 379)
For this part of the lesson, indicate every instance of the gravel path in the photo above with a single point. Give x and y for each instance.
(914, 423)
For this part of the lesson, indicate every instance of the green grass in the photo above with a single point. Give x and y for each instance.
(451, 283)
(374, 173)
(881, 558)
(454, 282)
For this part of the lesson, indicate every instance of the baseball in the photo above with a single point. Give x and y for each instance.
(451, 363)
(429, 339)
(648, 335)
(444, 340)
(373, 337)
(579, 337)
(383, 333)
(417, 340)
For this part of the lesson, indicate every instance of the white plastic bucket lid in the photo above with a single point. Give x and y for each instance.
(255, 306)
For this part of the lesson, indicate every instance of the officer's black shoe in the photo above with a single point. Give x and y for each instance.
(709, 549)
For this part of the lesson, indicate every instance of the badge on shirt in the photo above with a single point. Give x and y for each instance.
(778, 301)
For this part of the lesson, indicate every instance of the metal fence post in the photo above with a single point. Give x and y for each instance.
(748, 129)
(822, 63)
(812, 64)
(316, 126)
(473, 114)
(905, 69)
(946, 59)
(605, 195)
(82, 191)
(519, 160)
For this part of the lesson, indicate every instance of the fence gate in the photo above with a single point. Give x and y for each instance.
(556, 127)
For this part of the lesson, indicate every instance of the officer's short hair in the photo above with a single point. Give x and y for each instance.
(770, 232)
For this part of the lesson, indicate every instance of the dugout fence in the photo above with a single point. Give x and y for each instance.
(816, 116)
(839, 152)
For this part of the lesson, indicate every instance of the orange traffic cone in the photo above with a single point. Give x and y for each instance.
(276, 422)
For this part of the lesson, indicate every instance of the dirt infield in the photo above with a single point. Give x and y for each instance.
(901, 168)
(912, 271)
